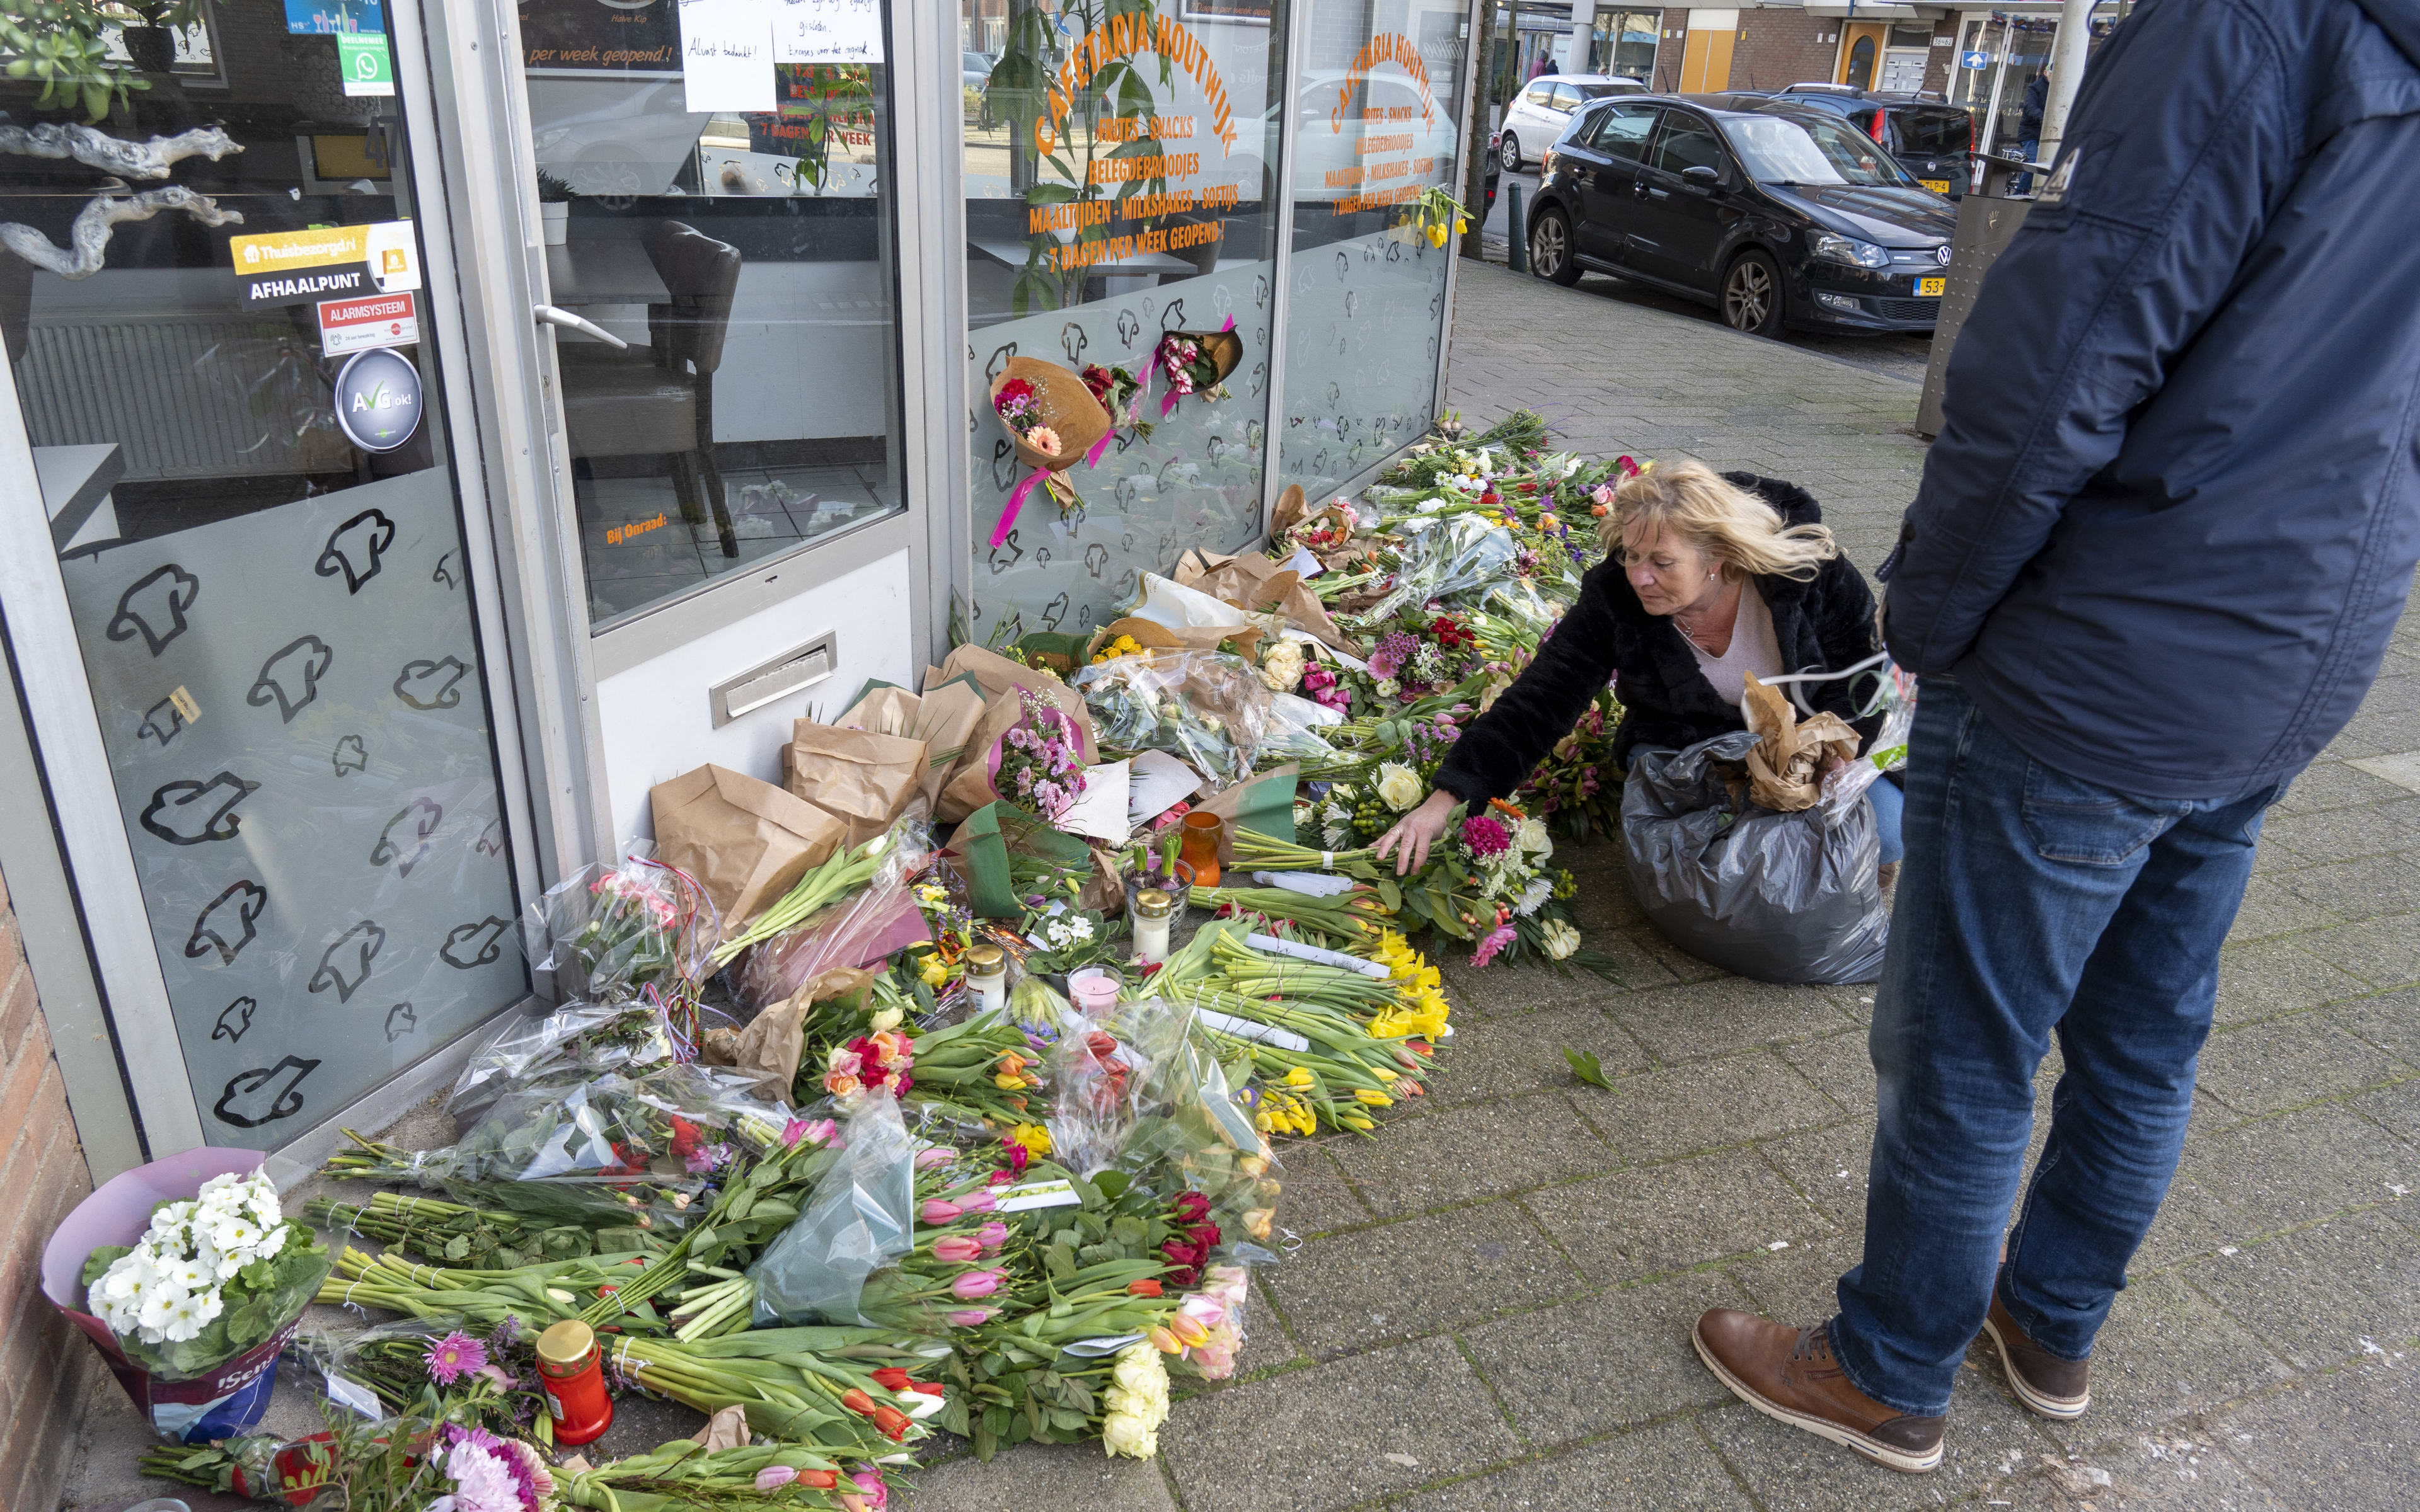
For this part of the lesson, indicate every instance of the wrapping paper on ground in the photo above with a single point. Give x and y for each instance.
(1312, 953)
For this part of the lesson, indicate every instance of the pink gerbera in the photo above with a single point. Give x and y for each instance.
(454, 1356)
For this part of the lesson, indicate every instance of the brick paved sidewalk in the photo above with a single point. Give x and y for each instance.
(1490, 1307)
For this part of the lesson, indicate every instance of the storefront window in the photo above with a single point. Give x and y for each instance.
(1625, 43)
(1121, 160)
(733, 224)
(1377, 118)
(214, 297)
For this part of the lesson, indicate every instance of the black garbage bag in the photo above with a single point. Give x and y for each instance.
(1780, 896)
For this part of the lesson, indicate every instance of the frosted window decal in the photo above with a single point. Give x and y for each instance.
(309, 789)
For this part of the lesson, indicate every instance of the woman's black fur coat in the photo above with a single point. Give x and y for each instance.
(1821, 626)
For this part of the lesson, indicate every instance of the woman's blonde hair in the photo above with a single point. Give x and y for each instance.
(1718, 518)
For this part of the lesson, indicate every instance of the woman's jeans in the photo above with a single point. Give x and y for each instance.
(2030, 903)
(1890, 807)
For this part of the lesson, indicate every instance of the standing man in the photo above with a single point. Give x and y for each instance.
(2029, 119)
(2167, 528)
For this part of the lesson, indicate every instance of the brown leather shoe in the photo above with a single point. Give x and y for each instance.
(2050, 1385)
(1789, 1373)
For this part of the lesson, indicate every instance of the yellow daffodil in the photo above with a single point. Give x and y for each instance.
(1436, 235)
(1359, 1124)
(1299, 1076)
(935, 973)
(1375, 1099)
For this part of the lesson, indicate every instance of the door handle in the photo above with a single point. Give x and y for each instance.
(549, 315)
(1660, 194)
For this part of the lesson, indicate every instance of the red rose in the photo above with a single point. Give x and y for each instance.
(685, 1138)
(1016, 389)
(1191, 1207)
(1185, 1278)
(1182, 1254)
(1203, 1236)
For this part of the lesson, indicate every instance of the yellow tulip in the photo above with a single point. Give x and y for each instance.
(1385, 1076)
(1165, 1342)
(1436, 235)
(1188, 1330)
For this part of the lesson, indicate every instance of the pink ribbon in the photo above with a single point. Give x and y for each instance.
(1015, 502)
(1093, 457)
(1167, 402)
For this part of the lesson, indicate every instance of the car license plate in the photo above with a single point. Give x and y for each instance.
(1939, 186)
(1928, 287)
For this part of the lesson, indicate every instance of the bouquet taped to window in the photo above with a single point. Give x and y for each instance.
(1726, 872)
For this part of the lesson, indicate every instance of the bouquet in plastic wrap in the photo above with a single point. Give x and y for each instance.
(1205, 709)
(636, 1149)
(860, 1217)
(575, 1041)
(864, 927)
(605, 932)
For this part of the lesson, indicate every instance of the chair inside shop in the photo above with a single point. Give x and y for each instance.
(657, 400)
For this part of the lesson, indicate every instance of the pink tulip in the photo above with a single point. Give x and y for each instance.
(993, 1234)
(957, 1249)
(773, 1477)
(970, 1318)
(938, 1155)
(870, 1484)
(976, 1203)
(1207, 1310)
(935, 1211)
(971, 1286)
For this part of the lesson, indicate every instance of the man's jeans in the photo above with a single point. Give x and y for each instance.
(2030, 902)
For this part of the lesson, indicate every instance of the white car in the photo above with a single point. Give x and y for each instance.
(1545, 105)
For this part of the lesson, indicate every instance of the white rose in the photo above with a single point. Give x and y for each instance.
(1531, 836)
(1137, 1367)
(1281, 669)
(1128, 1436)
(888, 1020)
(1399, 786)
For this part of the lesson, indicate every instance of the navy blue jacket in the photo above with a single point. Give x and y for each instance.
(2172, 514)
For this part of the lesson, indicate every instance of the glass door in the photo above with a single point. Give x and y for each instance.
(715, 184)
(245, 585)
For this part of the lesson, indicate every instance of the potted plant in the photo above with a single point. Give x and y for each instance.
(555, 199)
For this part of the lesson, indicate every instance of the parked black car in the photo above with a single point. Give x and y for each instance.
(1780, 217)
(1929, 139)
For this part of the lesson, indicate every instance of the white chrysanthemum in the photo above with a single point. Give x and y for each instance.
(1534, 897)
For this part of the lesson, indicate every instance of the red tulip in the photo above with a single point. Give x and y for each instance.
(892, 1378)
(892, 1422)
(856, 1401)
(1143, 1289)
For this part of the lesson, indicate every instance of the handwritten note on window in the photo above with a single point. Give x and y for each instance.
(826, 31)
(726, 55)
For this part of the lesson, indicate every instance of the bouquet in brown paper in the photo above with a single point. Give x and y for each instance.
(1255, 584)
(1194, 363)
(1786, 766)
(746, 842)
(1054, 423)
(1327, 533)
(862, 777)
(995, 674)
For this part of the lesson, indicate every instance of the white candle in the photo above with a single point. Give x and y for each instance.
(1153, 914)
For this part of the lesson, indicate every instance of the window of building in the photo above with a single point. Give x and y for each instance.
(1623, 43)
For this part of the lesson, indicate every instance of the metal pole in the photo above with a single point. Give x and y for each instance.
(1475, 148)
(2067, 57)
(1516, 236)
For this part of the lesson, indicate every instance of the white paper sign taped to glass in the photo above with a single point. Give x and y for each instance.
(826, 31)
(347, 326)
(284, 268)
(378, 399)
(727, 54)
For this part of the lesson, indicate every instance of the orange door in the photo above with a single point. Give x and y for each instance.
(1706, 63)
(1861, 51)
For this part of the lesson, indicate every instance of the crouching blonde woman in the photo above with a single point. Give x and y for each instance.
(1708, 577)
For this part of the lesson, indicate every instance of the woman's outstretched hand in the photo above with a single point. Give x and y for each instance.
(1413, 834)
